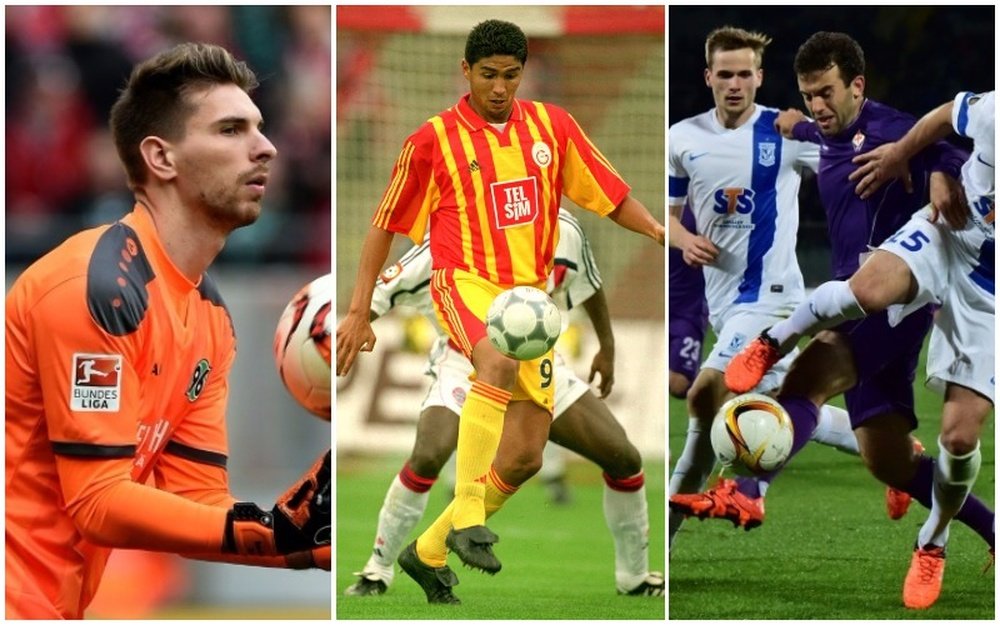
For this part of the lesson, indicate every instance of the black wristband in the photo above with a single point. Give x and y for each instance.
(242, 512)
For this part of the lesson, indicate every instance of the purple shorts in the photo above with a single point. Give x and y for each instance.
(687, 337)
(886, 362)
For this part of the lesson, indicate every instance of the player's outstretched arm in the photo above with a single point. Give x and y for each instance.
(596, 307)
(632, 215)
(354, 333)
(890, 160)
(110, 509)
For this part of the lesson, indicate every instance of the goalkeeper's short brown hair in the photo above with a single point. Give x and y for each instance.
(732, 38)
(154, 101)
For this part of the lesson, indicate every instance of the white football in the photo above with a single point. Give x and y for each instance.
(302, 346)
(523, 323)
(752, 434)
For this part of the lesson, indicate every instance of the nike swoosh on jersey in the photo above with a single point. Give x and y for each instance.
(694, 156)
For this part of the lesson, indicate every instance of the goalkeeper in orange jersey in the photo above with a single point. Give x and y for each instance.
(486, 177)
(119, 349)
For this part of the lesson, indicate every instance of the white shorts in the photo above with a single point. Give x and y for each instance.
(450, 370)
(737, 330)
(952, 268)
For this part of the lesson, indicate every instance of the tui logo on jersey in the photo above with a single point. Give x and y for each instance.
(733, 200)
(97, 382)
(515, 202)
(198, 379)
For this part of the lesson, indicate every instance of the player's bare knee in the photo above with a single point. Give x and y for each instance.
(627, 462)
(959, 441)
(520, 467)
(427, 461)
(679, 385)
(883, 280)
(497, 370)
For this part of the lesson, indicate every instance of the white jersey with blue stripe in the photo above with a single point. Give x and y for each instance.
(742, 185)
(973, 116)
(573, 279)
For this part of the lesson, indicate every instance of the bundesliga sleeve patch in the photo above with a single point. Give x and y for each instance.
(96, 383)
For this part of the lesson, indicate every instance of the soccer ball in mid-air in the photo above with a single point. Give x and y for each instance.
(523, 323)
(752, 434)
(302, 346)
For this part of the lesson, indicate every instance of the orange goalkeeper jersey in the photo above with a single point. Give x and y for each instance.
(492, 197)
(117, 369)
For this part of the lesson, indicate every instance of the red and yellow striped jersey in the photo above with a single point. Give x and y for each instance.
(492, 197)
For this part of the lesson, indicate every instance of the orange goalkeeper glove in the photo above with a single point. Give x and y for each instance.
(299, 521)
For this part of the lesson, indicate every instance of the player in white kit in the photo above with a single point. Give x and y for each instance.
(741, 179)
(948, 261)
(581, 421)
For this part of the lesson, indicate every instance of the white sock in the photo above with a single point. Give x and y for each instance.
(401, 510)
(627, 517)
(693, 467)
(828, 305)
(953, 480)
(834, 430)
(553, 463)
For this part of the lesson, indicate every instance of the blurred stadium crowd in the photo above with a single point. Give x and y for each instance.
(65, 67)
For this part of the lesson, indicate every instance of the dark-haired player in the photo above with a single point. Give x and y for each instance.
(486, 177)
(871, 360)
(119, 350)
(581, 422)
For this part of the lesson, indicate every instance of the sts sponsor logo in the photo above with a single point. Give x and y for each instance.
(733, 200)
(96, 382)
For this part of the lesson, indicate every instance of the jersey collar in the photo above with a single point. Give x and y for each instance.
(142, 222)
(471, 119)
(714, 114)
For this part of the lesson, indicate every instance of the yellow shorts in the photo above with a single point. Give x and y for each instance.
(461, 300)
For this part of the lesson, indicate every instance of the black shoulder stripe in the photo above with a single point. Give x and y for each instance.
(194, 454)
(210, 293)
(116, 281)
(91, 450)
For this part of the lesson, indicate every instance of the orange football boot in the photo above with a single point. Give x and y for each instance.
(923, 581)
(722, 501)
(748, 367)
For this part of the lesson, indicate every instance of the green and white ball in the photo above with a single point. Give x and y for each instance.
(523, 323)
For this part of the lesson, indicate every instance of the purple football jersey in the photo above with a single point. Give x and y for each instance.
(858, 226)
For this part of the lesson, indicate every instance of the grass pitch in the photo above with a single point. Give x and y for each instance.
(558, 561)
(827, 549)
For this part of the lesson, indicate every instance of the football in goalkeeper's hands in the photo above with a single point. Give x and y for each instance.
(302, 346)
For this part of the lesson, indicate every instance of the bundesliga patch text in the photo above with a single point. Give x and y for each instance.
(96, 383)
